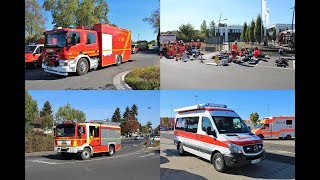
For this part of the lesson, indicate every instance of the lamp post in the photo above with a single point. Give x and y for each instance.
(219, 25)
(292, 26)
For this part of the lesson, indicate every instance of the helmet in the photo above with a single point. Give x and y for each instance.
(191, 40)
(198, 39)
(235, 42)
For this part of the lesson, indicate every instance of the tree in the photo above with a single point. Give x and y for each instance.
(130, 125)
(149, 125)
(68, 113)
(204, 29)
(134, 111)
(187, 30)
(34, 21)
(251, 32)
(75, 12)
(254, 118)
(47, 115)
(144, 129)
(257, 29)
(248, 33)
(166, 122)
(274, 34)
(212, 29)
(244, 32)
(126, 113)
(31, 109)
(154, 21)
(116, 117)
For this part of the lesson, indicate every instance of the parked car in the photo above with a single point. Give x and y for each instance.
(134, 48)
(138, 137)
(156, 138)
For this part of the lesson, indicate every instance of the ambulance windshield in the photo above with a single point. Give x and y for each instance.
(258, 126)
(65, 130)
(55, 39)
(230, 125)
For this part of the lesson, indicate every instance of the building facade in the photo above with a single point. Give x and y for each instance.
(229, 33)
(278, 27)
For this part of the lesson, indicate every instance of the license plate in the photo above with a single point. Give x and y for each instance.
(255, 161)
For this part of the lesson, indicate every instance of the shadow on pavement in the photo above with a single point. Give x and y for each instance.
(150, 51)
(39, 74)
(166, 173)
(281, 158)
(266, 139)
(163, 160)
(106, 87)
(245, 65)
(171, 152)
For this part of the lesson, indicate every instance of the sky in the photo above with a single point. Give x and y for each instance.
(126, 14)
(243, 102)
(99, 104)
(173, 13)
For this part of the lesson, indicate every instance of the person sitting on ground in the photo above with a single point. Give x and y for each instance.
(198, 44)
(256, 52)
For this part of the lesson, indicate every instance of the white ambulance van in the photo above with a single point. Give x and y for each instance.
(216, 133)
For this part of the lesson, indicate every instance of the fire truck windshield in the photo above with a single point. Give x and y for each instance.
(30, 48)
(230, 125)
(55, 39)
(65, 130)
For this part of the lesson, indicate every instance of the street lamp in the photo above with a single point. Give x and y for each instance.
(219, 25)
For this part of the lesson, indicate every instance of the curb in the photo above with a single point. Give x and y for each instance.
(119, 83)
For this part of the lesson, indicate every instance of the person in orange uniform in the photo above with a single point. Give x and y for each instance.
(198, 43)
(234, 50)
(256, 52)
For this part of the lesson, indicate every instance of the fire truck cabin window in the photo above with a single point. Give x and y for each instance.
(91, 38)
(288, 122)
(94, 131)
(75, 38)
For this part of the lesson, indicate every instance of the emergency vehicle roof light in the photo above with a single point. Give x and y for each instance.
(212, 105)
(200, 106)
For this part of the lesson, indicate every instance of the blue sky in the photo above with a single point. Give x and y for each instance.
(98, 104)
(127, 14)
(174, 13)
(244, 102)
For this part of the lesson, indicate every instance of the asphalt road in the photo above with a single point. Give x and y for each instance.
(279, 163)
(133, 161)
(196, 75)
(99, 79)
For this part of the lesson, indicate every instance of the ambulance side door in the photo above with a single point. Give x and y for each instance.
(205, 139)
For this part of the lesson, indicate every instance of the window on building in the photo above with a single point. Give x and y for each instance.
(91, 38)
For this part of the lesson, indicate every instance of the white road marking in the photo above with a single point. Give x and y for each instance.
(28, 166)
(147, 155)
(45, 162)
(280, 152)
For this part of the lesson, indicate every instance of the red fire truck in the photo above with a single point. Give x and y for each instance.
(85, 139)
(82, 49)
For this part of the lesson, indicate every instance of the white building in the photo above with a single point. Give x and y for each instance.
(278, 27)
(230, 33)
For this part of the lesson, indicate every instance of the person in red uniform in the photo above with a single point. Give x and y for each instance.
(198, 44)
(193, 44)
(242, 51)
(234, 50)
(256, 52)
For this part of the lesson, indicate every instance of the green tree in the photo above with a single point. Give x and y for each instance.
(134, 111)
(251, 32)
(212, 29)
(68, 113)
(248, 33)
(47, 115)
(75, 12)
(166, 122)
(127, 113)
(144, 129)
(154, 21)
(274, 34)
(205, 31)
(149, 125)
(187, 31)
(31, 109)
(244, 32)
(257, 29)
(34, 21)
(116, 117)
(254, 118)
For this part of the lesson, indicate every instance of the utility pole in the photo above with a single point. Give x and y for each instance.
(196, 96)
(171, 110)
(292, 27)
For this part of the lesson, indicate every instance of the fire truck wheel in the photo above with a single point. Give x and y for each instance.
(260, 136)
(180, 149)
(85, 154)
(218, 162)
(288, 137)
(119, 60)
(111, 150)
(82, 66)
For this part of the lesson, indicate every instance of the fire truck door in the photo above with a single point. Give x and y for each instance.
(94, 136)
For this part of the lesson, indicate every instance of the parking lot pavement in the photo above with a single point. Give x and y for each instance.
(99, 79)
(173, 166)
(197, 75)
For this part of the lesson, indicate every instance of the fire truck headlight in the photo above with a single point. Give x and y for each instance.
(234, 148)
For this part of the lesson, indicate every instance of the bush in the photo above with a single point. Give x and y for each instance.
(144, 78)
(38, 142)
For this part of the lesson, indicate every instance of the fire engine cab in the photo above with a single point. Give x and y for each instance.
(33, 55)
(68, 50)
(86, 139)
(216, 133)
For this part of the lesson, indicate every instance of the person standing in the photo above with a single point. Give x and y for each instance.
(198, 44)
(234, 50)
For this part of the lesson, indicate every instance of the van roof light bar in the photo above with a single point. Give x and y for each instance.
(200, 106)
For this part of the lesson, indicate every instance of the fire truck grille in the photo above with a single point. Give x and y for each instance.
(253, 148)
(51, 62)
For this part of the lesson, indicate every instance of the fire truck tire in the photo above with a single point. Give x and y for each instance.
(85, 154)
(261, 136)
(82, 66)
(288, 137)
(119, 60)
(180, 149)
(218, 162)
(111, 150)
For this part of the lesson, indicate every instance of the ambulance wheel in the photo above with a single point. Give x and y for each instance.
(180, 149)
(119, 60)
(218, 162)
(288, 137)
(111, 150)
(261, 136)
(85, 154)
(82, 66)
